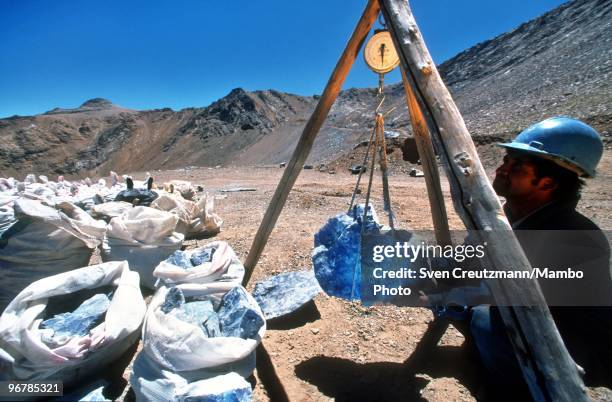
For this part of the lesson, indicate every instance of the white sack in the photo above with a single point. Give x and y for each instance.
(109, 210)
(45, 241)
(7, 213)
(180, 346)
(195, 218)
(177, 357)
(29, 358)
(151, 382)
(224, 266)
(143, 236)
(182, 187)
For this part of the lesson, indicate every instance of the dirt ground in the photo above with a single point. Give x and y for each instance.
(338, 350)
(342, 350)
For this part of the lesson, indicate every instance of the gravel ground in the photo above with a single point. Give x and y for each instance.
(337, 350)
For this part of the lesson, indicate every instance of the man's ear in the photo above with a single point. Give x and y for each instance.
(547, 184)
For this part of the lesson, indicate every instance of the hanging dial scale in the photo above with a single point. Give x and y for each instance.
(380, 54)
(381, 57)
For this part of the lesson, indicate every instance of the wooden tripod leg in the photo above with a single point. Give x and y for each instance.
(309, 134)
(298, 158)
(547, 366)
(429, 164)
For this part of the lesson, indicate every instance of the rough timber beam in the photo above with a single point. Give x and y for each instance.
(547, 366)
(304, 145)
(429, 164)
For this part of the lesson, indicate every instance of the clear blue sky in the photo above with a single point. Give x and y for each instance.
(154, 53)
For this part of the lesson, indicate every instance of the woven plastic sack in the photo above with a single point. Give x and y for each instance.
(23, 354)
(196, 219)
(224, 266)
(142, 236)
(152, 383)
(7, 212)
(177, 354)
(44, 241)
(110, 210)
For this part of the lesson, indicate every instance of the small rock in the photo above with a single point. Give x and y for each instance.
(201, 256)
(174, 299)
(415, 173)
(284, 293)
(237, 317)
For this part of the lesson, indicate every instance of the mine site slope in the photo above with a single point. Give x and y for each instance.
(559, 63)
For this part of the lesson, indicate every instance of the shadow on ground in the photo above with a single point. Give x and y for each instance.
(305, 314)
(345, 380)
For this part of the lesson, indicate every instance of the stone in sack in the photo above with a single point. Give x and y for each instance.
(179, 359)
(213, 262)
(84, 350)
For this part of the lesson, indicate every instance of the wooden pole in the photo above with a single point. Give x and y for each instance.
(429, 164)
(382, 152)
(547, 367)
(304, 145)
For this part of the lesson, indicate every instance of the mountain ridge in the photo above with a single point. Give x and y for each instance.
(558, 63)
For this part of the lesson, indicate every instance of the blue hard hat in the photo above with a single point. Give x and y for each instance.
(568, 142)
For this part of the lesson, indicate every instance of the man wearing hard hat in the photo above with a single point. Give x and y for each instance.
(540, 179)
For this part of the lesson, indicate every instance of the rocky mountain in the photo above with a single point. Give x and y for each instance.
(99, 136)
(559, 63)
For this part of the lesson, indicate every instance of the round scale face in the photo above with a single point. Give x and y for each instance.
(380, 54)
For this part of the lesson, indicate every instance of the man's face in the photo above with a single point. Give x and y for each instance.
(516, 177)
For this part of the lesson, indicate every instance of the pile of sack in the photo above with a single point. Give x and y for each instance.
(194, 209)
(65, 320)
(83, 193)
(143, 236)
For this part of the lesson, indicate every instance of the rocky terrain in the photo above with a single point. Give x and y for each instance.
(559, 63)
(335, 349)
(99, 136)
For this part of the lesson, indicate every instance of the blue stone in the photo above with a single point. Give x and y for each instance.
(174, 299)
(235, 395)
(199, 257)
(237, 317)
(284, 293)
(337, 253)
(372, 223)
(97, 395)
(180, 259)
(201, 313)
(89, 391)
(79, 322)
